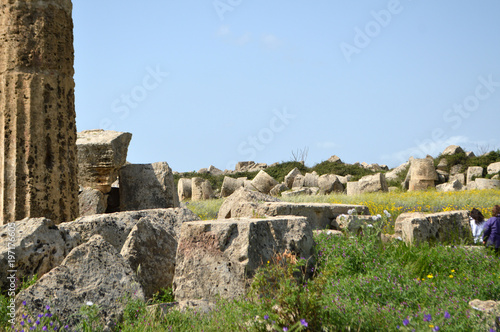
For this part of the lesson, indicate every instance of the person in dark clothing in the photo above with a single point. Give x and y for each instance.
(491, 234)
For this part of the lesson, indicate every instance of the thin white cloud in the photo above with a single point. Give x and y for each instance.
(270, 41)
(326, 145)
(223, 31)
(244, 39)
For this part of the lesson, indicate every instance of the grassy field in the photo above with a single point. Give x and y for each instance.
(358, 283)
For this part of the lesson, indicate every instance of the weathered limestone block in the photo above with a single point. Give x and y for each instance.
(101, 154)
(452, 150)
(393, 175)
(232, 205)
(334, 159)
(481, 184)
(94, 272)
(184, 189)
(38, 163)
(456, 169)
(214, 170)
(150, 250)
(450, 186)
(244, 204)
(116, 227)
(474, 172)
(39, 246)
(443, 176)
(352, 188)
(201, 190)
(278, 189)
(311, 180)
(298, 181)
(290, 177)
(354, 223)
(422, 174)
(263, 182)
(243, 166)
(460, 177)
(230, 185)
(92, 201)
(373, 183)
(219, 258)
(494, 168)
(444, 227)
(329, 183)
(443, 165)
(147, 186)
(492, 310)
(300, 192)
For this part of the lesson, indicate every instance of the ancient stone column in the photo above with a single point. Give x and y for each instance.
(38, 168)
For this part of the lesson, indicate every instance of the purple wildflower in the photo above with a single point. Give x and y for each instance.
(266, 317)
(24, 302)
(447, 315)
(406, 322)
(47, 307)
(303, 322)
(427, 318)
(285, 329)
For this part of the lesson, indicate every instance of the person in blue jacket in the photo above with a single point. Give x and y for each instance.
(491, 234)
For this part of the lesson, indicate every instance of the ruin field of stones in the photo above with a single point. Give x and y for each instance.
(91, 242)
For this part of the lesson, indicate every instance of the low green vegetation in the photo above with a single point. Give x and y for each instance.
(461, 159)
(353, 283)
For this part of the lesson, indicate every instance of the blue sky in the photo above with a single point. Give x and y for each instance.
(202, 83)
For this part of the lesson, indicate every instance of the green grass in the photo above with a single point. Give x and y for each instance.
(357, 283)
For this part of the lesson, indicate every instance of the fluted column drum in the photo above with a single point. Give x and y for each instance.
(38, 164)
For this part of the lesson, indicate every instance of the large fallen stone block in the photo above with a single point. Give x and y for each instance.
(92, 201)
(147, 186)
(101, 154)
(230, 185)
(219, 257)
(232, 205)
(474, 172)
(150, 250)
(115, 227)
(329, 183)
(263, 182)
(422, 174)
(290, 177)
(319, 215)
(443, 227)
(201, 190)
(482, 184)
(493, 168)
(93, 272)
(184, 189)
(373, 183)
(311, 180)
(39, 246)
(450, 186)
(352, 188)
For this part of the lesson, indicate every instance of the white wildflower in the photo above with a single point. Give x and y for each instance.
(387, 214)
(89, 303)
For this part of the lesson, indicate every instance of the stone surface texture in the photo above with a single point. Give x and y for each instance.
(230, 185)
(443, 227)
(147, 186)
(101, 154)
(263, 182)
(233, 204)
(150, 250)
(201, 189)
(422, 174)
(219, 258)
(39, 246)
(92, 201)
(116, 227)
(184, 189)
(38, 160)
(95, 272)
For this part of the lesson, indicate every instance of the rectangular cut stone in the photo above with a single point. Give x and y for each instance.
(219, 257)
(443, 227)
